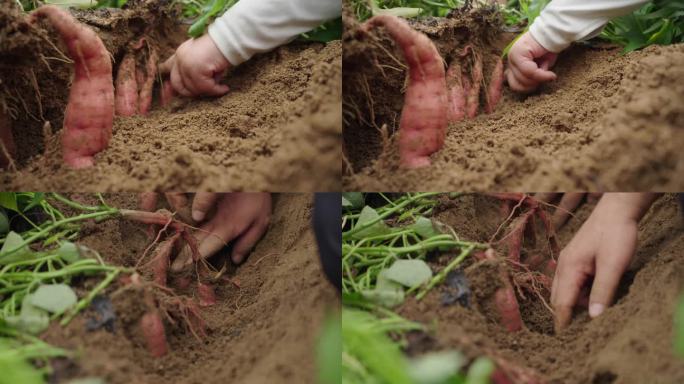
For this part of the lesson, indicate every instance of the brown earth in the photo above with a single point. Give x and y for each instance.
(610, 121)
(278, 129)
(263, 332)
(630, 343)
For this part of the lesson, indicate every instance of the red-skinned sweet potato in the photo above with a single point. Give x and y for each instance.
(127, 87)
(90, 112)
(152, 328)
(424, 116)
(455, 92)
(495, 87)
(147, 86)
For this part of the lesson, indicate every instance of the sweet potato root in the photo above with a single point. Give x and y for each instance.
(147, 86)
(455, 92)
(153, 330)
(473, 96)
(127, 87)
(90, 112)
(505, 301)
(167, 93)
(495, 87)
(8, 149)
(205, 294)
(424, 116)
(162, 259)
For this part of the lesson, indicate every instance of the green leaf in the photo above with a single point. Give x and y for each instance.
(409, 273)
(329, 350)
(367, 216)
(15, 369)
(377, 353)
(9, 200)
(54, 298)
(386, 293)
(87, 380)
(69, 252)
(4, 221)
(31, 319)
(423, 227)
(679, 328)
(72, 3)
(37, 198)
(12, 241)
(354, 199)
(436, 367)
(328, 31)
(480, 371)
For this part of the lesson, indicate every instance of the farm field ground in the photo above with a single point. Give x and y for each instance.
(611, 121)
(278, 129)
(632, 342)
(263, 327)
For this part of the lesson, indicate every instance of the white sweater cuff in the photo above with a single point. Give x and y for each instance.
(256, 26)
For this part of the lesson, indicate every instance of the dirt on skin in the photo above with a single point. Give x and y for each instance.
(630, 343)
(610, 121)
(278, 129)
(262, 332)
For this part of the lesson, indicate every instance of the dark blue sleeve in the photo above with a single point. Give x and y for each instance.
(327, 219)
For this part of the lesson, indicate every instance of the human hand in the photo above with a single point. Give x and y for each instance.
(603, 248)
(528, 64)
(223, 217)
(565, 204)
(196, 68)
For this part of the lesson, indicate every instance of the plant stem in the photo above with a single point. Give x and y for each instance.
(438, 278)
(89, 298)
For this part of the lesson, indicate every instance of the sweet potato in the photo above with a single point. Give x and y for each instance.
(8, 149)
(162, 259)
(153, 330)
(455, 92)
(167, 93)
(206, 294)
(424, 116)
(127, 87)
(495, 87)
(505, 302)
(90, 111)
(147, 86)
(473, 97)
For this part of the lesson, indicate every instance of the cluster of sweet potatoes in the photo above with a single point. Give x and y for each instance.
(434, 96)
(185, 308)
(93, 99)
(534, 273)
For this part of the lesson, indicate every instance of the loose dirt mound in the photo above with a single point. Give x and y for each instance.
(630, 343)
(262, 332)
(610, 121)
(278, 129)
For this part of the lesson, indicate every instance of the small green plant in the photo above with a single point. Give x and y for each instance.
(379, 260)
(657, 22)
(364, 9)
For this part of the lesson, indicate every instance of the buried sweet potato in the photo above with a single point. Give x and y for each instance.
(90, 111)
(424, 116)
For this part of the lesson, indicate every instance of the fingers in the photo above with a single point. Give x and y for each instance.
(147, 201)
(567, 284)
(610, 267)
(165, 67)
(177, 82)
(180, 205)
(247, 241)
(569, 202)
(202, 203)
(530, 70)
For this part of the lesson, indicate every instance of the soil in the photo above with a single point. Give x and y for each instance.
(630, 343)
(611, 121)
(278, 129)
(262, 332)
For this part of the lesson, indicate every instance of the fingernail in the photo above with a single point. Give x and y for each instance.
(198, 215)
(237, 259)
(596, 309)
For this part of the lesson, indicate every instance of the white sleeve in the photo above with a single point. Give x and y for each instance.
(565, 21)
(254, 26)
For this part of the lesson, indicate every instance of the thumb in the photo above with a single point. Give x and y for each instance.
(202, 203)
(165, 67)
(217, 90)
